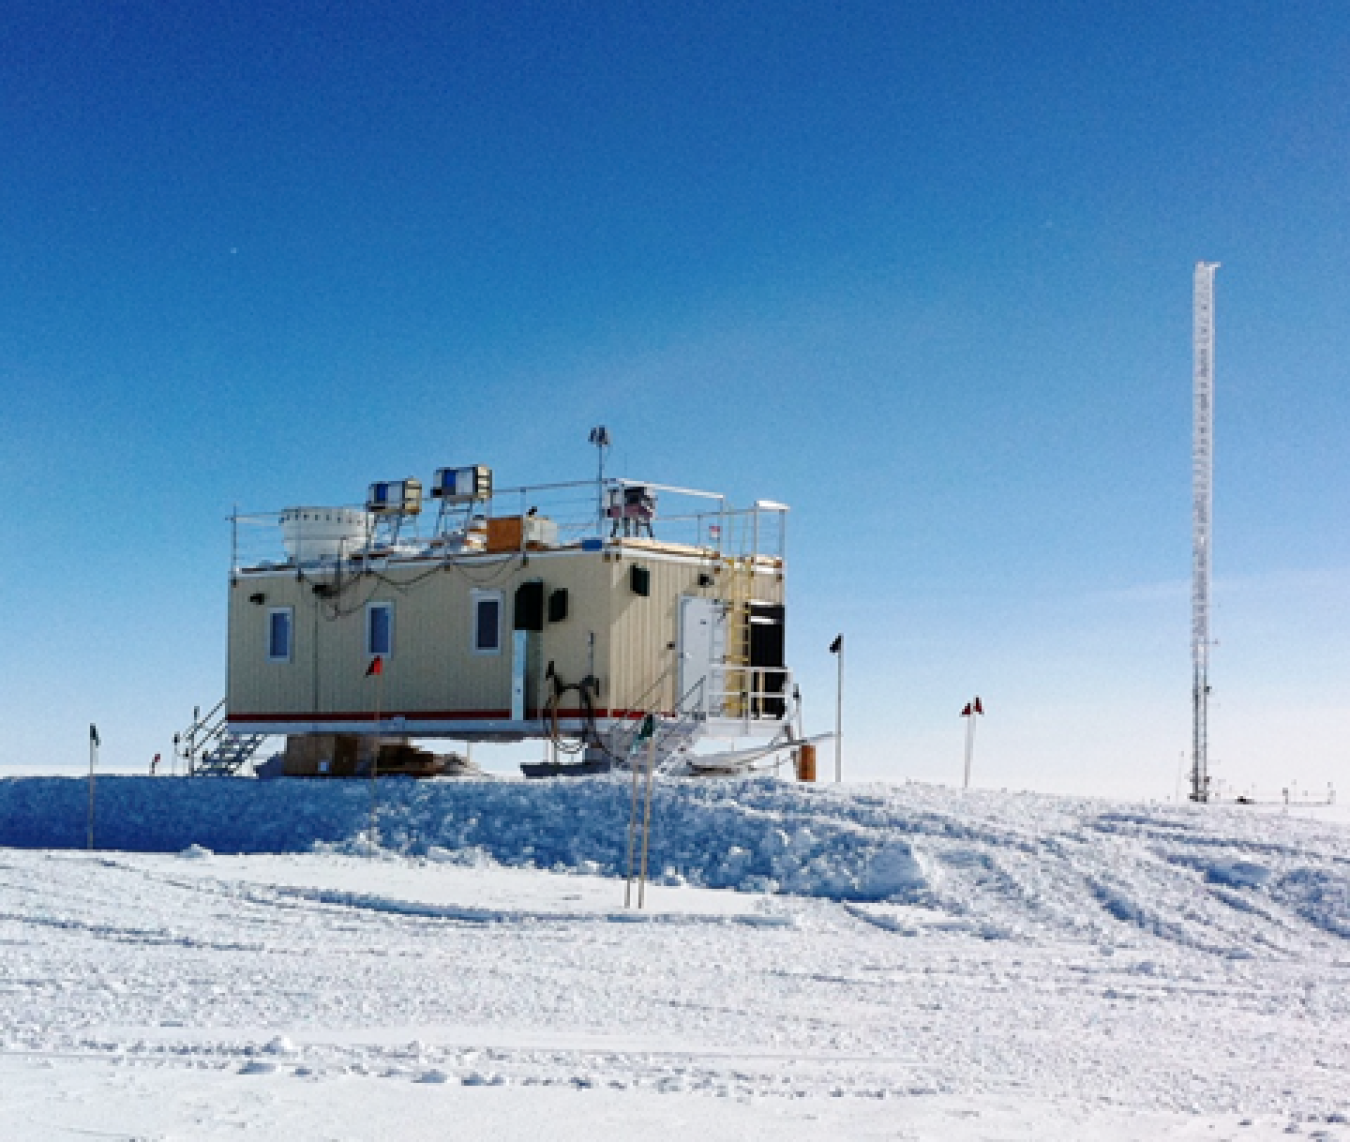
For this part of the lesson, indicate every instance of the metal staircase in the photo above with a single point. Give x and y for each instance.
(232, 752)
(674, 736)
(211, 748)
(672, 733)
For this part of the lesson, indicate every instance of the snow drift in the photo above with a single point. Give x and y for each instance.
(1224, 880)
(899, 962)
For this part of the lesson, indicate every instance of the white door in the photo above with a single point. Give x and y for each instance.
(703, 652)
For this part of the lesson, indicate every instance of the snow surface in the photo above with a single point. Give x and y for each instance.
(878, 962)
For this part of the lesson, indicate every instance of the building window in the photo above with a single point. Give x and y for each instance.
(280, 623)
(379, 629)
(487, 622)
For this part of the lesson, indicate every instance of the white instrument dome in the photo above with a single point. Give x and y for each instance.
(324, 533)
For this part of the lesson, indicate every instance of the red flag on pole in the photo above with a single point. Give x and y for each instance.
(978, 708)
(966, 712)
(376, 666)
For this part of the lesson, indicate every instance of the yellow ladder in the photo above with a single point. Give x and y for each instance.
(739, 593)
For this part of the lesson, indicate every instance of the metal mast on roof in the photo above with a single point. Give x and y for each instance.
(600, 438)
(1202, 502)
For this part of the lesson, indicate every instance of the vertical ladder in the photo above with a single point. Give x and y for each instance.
(739, 594)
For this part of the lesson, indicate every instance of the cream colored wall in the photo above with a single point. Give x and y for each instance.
(646, 630)
(432, 668)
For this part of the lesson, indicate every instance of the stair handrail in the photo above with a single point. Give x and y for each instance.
(646, 704)
(210, 733)
(669, 733)
(201, 733)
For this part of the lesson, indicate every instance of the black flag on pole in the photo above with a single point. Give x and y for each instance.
(93, 735)
(837, 645)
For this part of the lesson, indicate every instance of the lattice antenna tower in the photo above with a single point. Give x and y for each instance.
(1202, 503)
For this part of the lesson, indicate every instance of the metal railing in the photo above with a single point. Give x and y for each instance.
(763, 695)
(210, 748)
(551, 515)
(672, 730)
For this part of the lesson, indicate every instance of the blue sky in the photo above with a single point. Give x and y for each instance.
(921, 270)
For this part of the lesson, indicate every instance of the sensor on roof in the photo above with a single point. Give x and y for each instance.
(462, 485)
(403, 497)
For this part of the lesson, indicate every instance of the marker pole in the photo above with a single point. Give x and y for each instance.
(93, 758)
